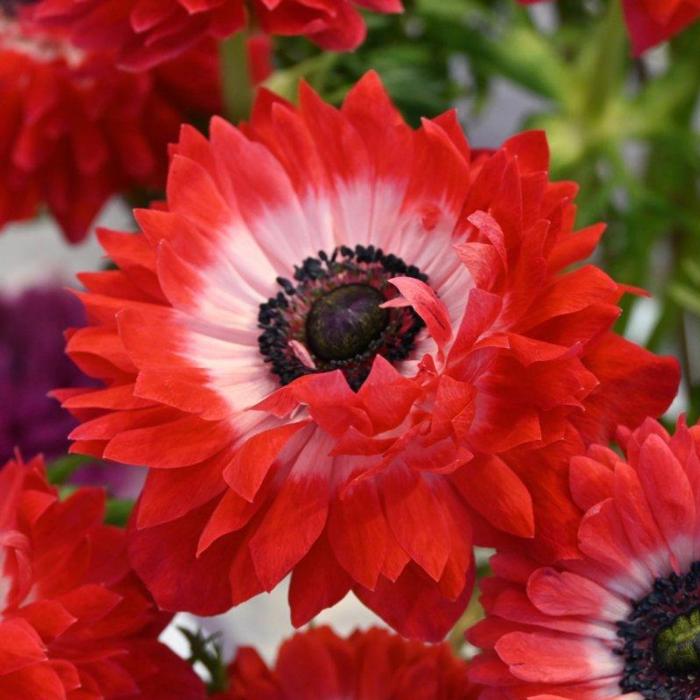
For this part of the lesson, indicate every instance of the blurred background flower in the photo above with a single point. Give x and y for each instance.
(33, 363)
(75, 130)
(144, 33)
(319, 663)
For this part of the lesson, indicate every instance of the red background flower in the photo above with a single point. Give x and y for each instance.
(74, 130)
(587, 626)
(366, 666)
(145, 33)
(75, 622)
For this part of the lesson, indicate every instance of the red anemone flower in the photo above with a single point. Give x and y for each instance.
(147, 32)
(75, 622)
(326, 345)
(75, 130)
(651, 22)
(622, 620)
(365, 666)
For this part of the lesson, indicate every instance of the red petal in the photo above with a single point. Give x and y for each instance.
(417, 520)
(290, 527)
(251, 463)
(197, 440)
(414, 605)
(357, 531)
(165, 557)
(318, 582)
(172, 493)
(493, 489)
(591, 482)
(20, 646)
(426, 304)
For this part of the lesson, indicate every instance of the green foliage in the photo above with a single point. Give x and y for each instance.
(206, 650)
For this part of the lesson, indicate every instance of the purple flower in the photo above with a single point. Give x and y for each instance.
(120, 480)
(32, 363)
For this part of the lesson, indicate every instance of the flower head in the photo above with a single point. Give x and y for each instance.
(623, 618)
(75, 622)
(350, 326)
(32, 363)
(366, 665)
(145, 33)
(76, 130)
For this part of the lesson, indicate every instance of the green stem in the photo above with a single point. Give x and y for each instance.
(207, 651)
(236, 81)
(314, 70)
(607, 68)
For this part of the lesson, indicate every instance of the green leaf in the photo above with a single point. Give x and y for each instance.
(686, 297)
(236, 81)
(60, 470)
(208, 652)
(118, 511)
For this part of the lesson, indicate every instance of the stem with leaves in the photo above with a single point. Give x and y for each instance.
(207, 651)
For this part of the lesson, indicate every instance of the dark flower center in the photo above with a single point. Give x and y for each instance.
(661, 640)
(345, 322)
(330, 316)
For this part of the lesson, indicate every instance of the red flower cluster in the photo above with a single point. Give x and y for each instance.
(75, 623)
(621, 618)
(147, 32)
(347, 351)
(366, 666)
(651, 22)
(75, 130)
(365, 338)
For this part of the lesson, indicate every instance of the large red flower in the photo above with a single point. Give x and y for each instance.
(651, 22)
(75, 130)
(365, 666)
(75, 622)
(622, 619)
(328, 346)
(146, 32)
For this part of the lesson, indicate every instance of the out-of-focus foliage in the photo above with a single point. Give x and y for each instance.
(627, 130)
